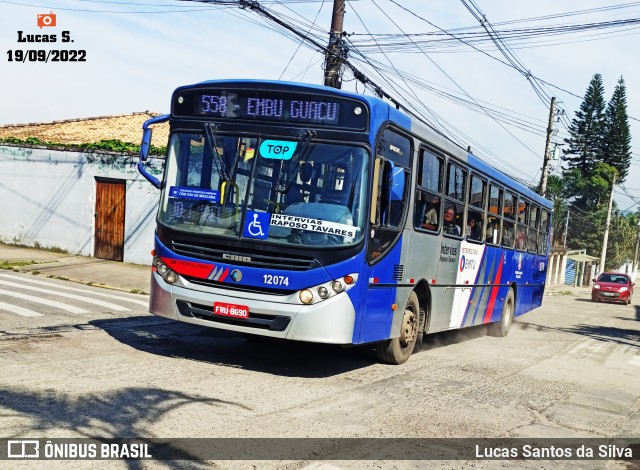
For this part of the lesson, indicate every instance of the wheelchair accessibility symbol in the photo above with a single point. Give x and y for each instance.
(257, 225)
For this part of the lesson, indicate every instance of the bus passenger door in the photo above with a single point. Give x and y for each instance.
(388, 207)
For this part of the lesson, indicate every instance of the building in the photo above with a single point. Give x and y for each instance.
(73, 185)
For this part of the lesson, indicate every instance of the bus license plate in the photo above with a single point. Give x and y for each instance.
(231, 310)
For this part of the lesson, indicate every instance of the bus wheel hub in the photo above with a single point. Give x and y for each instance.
(409, 328)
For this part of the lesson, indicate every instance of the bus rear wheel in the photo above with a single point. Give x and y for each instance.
(398, 350)
(501, 328)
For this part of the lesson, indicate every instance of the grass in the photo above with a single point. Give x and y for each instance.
(10, 265)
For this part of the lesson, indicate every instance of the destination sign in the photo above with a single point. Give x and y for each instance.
(259, 105)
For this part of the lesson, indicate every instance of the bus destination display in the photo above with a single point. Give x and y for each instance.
(291, 108)
(270, 108)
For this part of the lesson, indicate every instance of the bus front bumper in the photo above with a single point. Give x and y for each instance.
(330, 321)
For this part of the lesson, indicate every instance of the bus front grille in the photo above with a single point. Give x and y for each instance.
(245, 256)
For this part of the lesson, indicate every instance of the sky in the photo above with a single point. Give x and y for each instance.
(137, 52)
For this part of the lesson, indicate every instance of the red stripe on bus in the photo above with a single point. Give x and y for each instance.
(189, 268)
(494, 292)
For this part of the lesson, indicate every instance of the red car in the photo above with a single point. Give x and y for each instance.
(612, 287)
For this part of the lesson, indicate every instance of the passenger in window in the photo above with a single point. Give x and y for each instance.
(507, 235)
(449, 225)
(473, 229)
(493, 227)
(430, 220)
(521, 239)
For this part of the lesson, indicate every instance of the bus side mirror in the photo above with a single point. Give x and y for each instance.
(145, 145)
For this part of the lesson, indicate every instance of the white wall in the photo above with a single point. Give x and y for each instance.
(48, 199)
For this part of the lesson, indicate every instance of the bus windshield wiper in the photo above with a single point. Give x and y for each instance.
(303, 147)
(211, 133)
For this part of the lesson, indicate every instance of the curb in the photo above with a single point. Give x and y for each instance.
(78, 281)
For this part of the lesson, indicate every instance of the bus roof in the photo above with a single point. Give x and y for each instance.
(415, 126)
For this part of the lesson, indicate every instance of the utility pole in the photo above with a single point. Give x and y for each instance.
(337, 51)
(605, 238)
(566, 228)
(635, 255)
(547, 156)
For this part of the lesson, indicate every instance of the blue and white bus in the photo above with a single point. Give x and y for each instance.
(308, 213)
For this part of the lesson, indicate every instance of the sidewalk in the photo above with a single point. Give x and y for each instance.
(564, 289)
(83, 269)
(124, 276)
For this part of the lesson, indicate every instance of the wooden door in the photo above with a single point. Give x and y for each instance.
(109, 218)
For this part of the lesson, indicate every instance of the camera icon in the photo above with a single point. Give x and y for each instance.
(46, 19)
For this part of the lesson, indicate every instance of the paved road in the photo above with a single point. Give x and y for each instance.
(569, 369)
(36, 304)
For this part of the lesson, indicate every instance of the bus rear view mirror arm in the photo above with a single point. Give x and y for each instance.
(145, 145)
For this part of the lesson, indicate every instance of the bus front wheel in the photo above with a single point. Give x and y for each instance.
(398, 350)
(501, 328)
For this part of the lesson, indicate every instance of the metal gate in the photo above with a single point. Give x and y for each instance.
(570, 274)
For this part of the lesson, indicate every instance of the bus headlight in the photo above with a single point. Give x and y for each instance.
(321, 292)
(171, 277)
(306, 296)
(163, 270)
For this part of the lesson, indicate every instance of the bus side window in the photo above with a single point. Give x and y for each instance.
(532, 244)
(523, 220)
(427, 214)
(456, 189)
(456, 182)
(494, 215)
(475, 217)
(544, 232)
(508, 226)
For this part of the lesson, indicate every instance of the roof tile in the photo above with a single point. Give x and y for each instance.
(125, 127)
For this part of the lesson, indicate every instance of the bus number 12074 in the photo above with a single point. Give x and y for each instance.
(276, 280)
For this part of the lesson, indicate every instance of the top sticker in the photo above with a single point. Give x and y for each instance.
(278, 149)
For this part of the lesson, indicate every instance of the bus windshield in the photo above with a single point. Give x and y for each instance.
(283, 191)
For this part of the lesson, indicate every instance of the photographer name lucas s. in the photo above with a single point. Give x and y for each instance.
(65, 37)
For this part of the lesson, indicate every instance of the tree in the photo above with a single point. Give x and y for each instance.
(585, 142)
(589, 191)
(617, 136)
(590, 205)
(622, 237)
